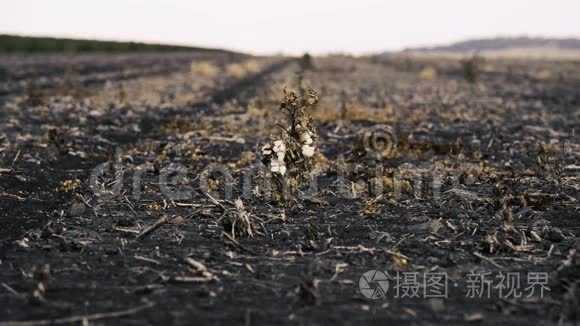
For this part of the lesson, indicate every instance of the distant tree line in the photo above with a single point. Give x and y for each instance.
(13, 43)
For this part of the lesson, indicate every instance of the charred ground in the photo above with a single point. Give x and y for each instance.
(504, 147)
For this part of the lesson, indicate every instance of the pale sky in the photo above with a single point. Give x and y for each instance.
(294, 26)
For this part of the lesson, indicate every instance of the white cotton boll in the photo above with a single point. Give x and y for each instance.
(280, 150)
(306, 139)
(279, 146)
(277, 167)
(307, 150)
(266, 150)
(281, 156)
(274, 166)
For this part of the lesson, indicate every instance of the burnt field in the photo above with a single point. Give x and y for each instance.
(132, 191)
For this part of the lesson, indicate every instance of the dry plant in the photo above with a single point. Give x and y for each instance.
(241, 70)
(428, 73)
(69, 185)
(204, 68)
(291, 154)
(472, 68)
(306, 62)
(239, 222)
(551, 160)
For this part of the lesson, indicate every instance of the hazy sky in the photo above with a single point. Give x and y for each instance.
(294, 26)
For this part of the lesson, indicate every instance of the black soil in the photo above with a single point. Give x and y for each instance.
(504, 148)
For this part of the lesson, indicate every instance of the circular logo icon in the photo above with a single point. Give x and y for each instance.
(373, 284)
(380, 140)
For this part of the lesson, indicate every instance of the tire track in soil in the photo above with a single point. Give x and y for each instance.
(44, 178)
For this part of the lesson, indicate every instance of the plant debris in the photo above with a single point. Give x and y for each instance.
(164, 187)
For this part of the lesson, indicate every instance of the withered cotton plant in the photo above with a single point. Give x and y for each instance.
(290, 155)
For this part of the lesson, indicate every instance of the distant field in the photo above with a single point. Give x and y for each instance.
(539, 53)
(138, 188)
(505, 48)
(19, 44)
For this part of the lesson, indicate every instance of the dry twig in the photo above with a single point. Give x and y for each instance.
(79, 318)
(164, 219)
